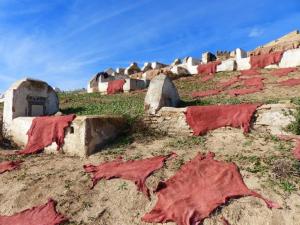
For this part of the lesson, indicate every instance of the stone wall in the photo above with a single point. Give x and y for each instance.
(169, 120)
(272, 118)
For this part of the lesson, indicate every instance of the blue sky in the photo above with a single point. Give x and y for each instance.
(65, 42)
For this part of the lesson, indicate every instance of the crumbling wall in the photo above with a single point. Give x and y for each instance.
(272, 118)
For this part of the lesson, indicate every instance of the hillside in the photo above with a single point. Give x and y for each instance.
(265, 162)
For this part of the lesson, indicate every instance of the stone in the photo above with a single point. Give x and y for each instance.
(149, 75)
(147, 66)
(28, 98)
(176, 62)
(161, 92)
(275, 118)
(240, 54)
(157, 65)
(290, 58)
(227, 65)
(179, 70)
(243, 64)
(132, 69)
(85, 136)
(208, 57)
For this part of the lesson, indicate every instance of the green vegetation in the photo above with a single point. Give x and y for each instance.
(187, 142)
(294, 127)
(129, 105)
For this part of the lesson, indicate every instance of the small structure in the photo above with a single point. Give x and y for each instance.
(157, 65)
(120, 71)
(130, 85)
(162, 92)
(94, 82)
(109, 71)
(208, 57)
(176, 62)
(147, 66)
(132, 69)
(240, 54)
(29, 98)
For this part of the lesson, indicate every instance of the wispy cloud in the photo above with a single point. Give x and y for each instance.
(65, 43)
(256, 32)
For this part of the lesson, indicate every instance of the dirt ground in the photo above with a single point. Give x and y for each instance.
(266, 164)
(118, 202)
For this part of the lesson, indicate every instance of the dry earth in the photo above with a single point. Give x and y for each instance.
(265, 162)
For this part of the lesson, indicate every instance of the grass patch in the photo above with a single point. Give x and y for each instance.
(129, 105)
(294, 127)
(187, 142)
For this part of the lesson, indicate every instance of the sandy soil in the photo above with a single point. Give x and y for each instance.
(117, 201)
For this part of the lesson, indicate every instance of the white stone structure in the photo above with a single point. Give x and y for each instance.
(193, 61)
(130, 85)
(132, 69)
(161, 92)
(147, 66)
(240, 54)
(157, 65)
(208, 57)
(85, 136)
(93, 85)
(227, 65)
(243, 64)
(290, 58)
(176, 62)
(27, 98)
(120, 71)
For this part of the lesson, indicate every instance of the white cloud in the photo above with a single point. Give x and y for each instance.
(256, 32)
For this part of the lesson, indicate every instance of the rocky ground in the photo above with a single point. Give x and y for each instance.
(265, 162)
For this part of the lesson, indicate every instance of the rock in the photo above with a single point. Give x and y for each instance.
(179, 70)
(275, 117)
(161, 92)
(59, 113)
(240, 54)
(208, 57)
(132, 69)
(149, 75)
(290, 58)
(227, 65)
